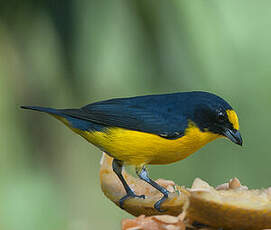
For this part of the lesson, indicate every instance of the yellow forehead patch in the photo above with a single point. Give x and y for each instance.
(233, 118)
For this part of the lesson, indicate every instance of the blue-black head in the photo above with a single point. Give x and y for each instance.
(213, 114)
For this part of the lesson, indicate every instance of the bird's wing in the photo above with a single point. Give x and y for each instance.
(147, 116)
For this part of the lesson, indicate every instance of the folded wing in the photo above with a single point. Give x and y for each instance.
(145, 115)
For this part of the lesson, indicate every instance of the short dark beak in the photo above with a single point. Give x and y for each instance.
(234, 136)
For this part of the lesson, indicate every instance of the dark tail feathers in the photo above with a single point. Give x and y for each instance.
(43, 109)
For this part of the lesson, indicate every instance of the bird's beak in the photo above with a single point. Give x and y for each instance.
(234, 136)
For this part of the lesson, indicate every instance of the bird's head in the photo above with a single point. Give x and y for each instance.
(213, 114)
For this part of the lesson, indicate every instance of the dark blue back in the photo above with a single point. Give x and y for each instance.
(166, 115)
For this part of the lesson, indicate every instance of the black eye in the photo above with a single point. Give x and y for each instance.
(221, 116)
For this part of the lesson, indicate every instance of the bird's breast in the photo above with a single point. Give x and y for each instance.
(138, 148)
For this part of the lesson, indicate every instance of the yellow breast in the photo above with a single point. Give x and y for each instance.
(138, 148)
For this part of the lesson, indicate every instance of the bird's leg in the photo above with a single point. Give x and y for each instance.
(117, 168)
(143, 174)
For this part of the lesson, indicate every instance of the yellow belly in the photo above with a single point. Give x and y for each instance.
(138, 148)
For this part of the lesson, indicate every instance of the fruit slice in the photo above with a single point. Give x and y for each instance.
(113, 189)
(229, 206)
(237, 208)
(161, 222)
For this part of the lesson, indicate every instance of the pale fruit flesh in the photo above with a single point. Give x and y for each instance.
(228, 206)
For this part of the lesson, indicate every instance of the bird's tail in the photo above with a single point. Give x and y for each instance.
(43, 109)
(64, 115)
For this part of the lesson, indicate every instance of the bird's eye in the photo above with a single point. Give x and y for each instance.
(221, 116)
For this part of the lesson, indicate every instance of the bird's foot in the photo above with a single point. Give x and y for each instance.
(158, 204)
(129, 195)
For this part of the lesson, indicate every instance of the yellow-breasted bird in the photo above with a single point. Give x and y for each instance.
(152, 129)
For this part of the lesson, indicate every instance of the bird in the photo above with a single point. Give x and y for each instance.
(151, 129)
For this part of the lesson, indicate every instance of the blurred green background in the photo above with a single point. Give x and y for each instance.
(70, 53)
